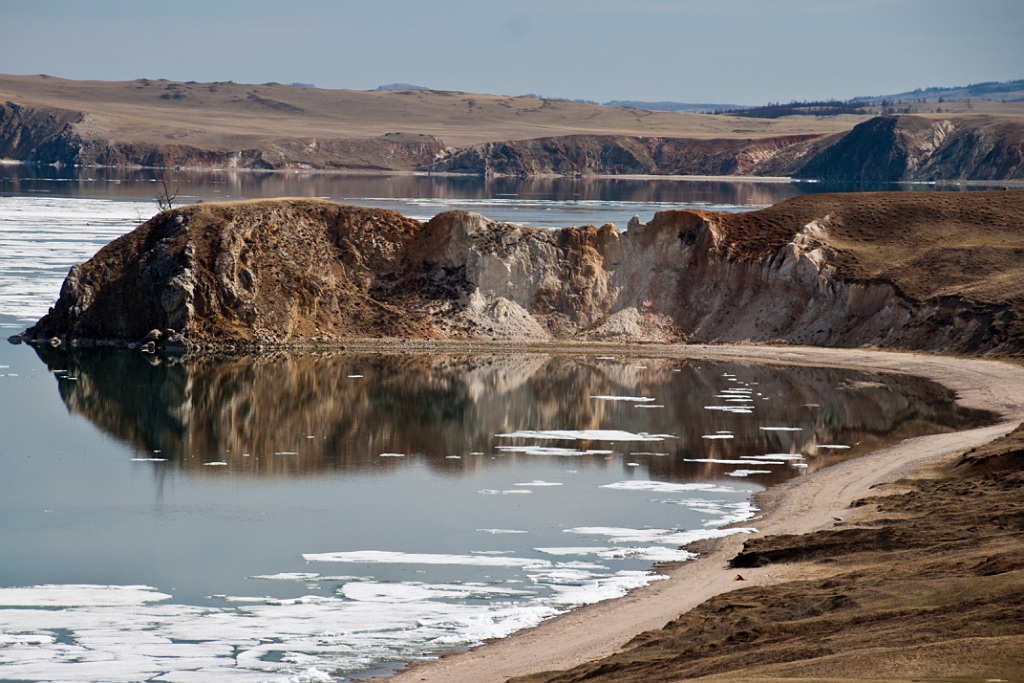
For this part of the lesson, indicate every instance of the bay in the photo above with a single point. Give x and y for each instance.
(330, 516)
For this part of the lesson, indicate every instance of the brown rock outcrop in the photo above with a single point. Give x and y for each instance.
(895, 270)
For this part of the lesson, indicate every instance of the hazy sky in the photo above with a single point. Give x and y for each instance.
(708, 51)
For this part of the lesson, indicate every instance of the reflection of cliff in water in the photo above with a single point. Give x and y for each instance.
(303, 413)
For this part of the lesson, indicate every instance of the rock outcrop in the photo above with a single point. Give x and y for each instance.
(619, 155)
(901, 148)
(938, 271)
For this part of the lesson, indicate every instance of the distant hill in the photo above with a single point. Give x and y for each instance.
(1006, 91)
(401, 86)
(672, 106)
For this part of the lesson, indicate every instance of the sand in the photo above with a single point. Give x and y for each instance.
(802, 505)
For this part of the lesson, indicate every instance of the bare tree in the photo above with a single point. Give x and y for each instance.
(165, 198)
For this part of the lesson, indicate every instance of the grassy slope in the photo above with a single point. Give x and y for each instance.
(928, 244)
(927, 585)
(135, 111)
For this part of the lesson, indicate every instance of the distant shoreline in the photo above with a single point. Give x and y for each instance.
(538, 176)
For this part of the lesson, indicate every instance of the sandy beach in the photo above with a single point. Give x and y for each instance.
(806, 504)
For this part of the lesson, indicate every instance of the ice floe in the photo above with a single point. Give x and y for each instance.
(739, 410)
(585, 435)
(746, 473)
(393, 557)
(723, 461)
(666, 487)
(634, 399)
(550, 450)
(781, 429)
(537, 482)
(663, 536)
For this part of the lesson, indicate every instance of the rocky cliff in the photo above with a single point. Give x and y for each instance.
(938, 271)
(47, 135)
(900, 148)
(618, 154)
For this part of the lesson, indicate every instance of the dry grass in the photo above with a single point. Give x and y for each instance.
(223, 115)
(928, 585)
(927, 244)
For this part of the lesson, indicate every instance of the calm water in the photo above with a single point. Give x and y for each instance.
(329, 516)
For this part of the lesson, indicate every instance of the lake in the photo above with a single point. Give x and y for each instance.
(329, 516)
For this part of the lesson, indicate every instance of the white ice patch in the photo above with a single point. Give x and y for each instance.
(733, 462)
(666, 487)
(633, 399)
(79, 595)
(537, 482)
(837, 446)
(550, 450)
(503, 492)
(663, 536)
(774, 456)
(392, 455)
(647, 554)
(288, 576)
(719, 436)
(746, 473)
(731, 409)
(585, 435)
(393, 557)
(42, 237)
(781, 429)
(503, 531)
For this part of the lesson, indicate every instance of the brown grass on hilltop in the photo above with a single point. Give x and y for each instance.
(927, 244)
(928, 586)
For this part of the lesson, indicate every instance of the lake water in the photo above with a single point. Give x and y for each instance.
(329, 516)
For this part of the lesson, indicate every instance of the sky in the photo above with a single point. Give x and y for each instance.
(699, 51)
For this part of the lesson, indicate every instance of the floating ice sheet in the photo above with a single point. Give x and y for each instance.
(550, 450)
(392, 557)
(663, 536)
(746, 473)
(585, 435)
(666, 487)
(733, 462)
(633, 399)
(781, 429)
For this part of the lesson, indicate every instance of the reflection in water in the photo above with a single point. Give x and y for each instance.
(307, 413)
(207, 185)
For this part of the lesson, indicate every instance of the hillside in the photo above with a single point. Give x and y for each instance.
(921, 271)
(158, 122)
(167, 124)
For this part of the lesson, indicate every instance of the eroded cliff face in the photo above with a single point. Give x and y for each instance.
(620, 154)
(46, 135)
(901, 148)
(297, 271)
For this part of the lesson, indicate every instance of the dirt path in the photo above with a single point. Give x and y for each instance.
(802, 505)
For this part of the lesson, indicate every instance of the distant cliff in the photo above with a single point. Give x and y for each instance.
(938, 271)
(619, 155)
(888, 148)
(899, 148)
(70, 138)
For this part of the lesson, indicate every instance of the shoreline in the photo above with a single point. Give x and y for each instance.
(370, 172)
(799, 506)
